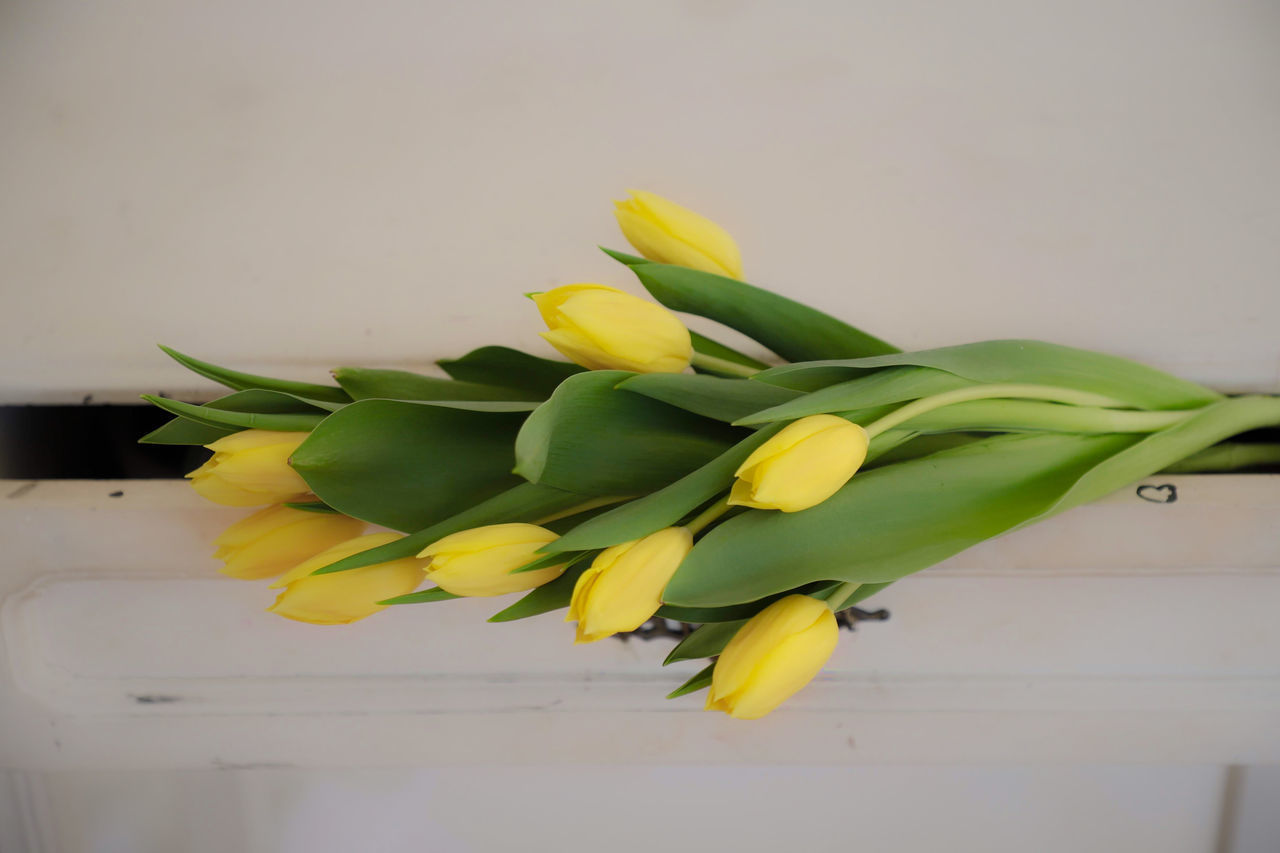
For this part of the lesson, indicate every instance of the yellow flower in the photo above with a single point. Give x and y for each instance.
(623, 587)
(801, 466)
(342, 597)
(771, 657)
(251, 468)
(479, 562)
(665, 232)
(278, 538)
(603, 328)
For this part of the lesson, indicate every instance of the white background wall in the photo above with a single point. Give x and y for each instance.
(295, 185)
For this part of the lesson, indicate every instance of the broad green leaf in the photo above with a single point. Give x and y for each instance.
(312, 506)
(408, 465)
(890, 521)
(664, 507)
(235, 420)
(1031, 362)
(1164, 448)
(510, 368)
(550, 596)
(364, 383)
(901, 445)
(891, 385)
(864, 592)
(548, 560)
(238, 381)
(706, 346)
(706, 641)
(525, 502)
(710, 396)
(591, 438)
(700, 681)
(792, 330)
(624, 258)
(736, 612)
(422, 596)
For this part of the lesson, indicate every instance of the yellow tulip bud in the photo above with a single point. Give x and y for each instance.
(771, 657)
(479, 562)
(623, 587)
(342, 597)
(801, 466)
(603, 328)
(251, 468)
(665, 232)
(278, 538)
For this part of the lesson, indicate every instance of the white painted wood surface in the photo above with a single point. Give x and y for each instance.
(1121, 631)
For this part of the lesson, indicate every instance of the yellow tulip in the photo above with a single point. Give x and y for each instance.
(771, 657)
(665, 232)
(343, 597)
(479, 562)
(277, 538)
(251, 468)
(623, 587)
(603, 328)
(803, 465)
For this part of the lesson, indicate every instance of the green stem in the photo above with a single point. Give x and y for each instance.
(722, 366)
(708, 515)
(841, 594)
(983, 392)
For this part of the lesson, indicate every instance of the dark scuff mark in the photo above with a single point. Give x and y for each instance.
(154, 698)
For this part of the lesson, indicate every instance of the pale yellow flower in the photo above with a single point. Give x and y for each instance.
(603, 328)
(771, 657)
(801, 466)
(339, 598)
(278, 538)
(665, 232)
(623, 587)
(251, 468)
(479, 562)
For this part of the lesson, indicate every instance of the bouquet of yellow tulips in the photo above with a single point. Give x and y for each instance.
(660, 473)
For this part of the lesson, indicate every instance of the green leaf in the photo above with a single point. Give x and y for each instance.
(546, 598)
(183, 431)
(235, 420)
(510, 368)
(710, 396)
(364, 383)
(891, 385)
(525, 502)
(902, 445)
(706, 641)
(736, 612)
(311, 506)
(593, 439)
(247, 381)
(422, 596)
(698, 682)
(864, 592)
(792, 330)
(1030, 362)
(624, 258)
(890, 521)
(706, 346)
(664, 507)
(557, 559)
(1161, 449)
(408, 465)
